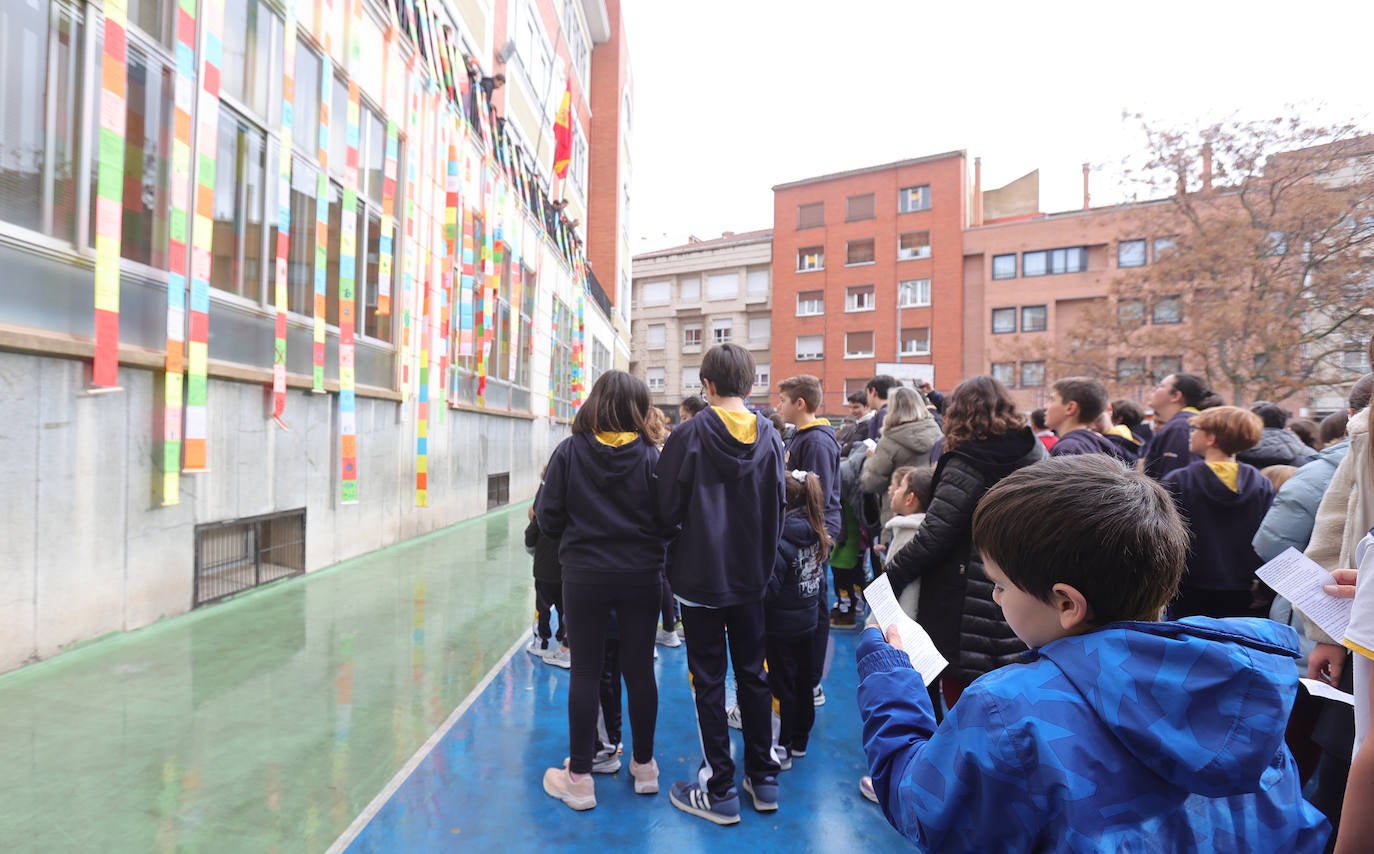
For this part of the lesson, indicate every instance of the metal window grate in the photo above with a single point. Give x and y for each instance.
(498, 489)
(240, 554)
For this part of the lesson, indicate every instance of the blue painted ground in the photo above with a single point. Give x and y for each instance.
(480, 789)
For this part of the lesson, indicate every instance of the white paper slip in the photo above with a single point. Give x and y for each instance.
(916, 643)
(1318, 688)
(1299, 579)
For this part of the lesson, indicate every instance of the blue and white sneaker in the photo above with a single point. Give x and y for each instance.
(764, 793)
(691, 798)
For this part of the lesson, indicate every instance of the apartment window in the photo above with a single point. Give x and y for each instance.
(657, 336)
(1032, 374)
(1005, 373)
(858, 252)
(655, 378)
(853, 384)
(760, 329)
(1130, 371)
(913, 245)
(41, 117)
(1034, 318)
(858, 207)
(601, 360)
(691, 377)
(916, 342)
(810, 303)
(1131, 253)
(761, 378)
(529, 301)
(911, 199)
(1167, 310)
(1131, 312)
(1073, 259)
(1162, 366)
(1163, 246)
(533, 50)
(577, 42)
(691, 335)
(858, 345)
(913, 293)
(656, 293)
(810, 348)
(561, 361)
(720, 330)
(722, 286)
(859, 298)
(756, 283)
(811, 216)
(1355, 359)
(1003, 320)
(810, 258)
(689, 288)
(1004, 266)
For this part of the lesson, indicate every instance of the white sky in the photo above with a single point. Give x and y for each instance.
(734, 96)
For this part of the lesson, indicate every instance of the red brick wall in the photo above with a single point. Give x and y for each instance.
(610, 77)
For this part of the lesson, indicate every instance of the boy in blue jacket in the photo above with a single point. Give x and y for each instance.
(1117, 732)
(720, 480)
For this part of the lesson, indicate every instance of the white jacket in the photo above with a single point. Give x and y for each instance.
(901, 530)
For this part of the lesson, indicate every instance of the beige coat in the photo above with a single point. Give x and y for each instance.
(1347, 510)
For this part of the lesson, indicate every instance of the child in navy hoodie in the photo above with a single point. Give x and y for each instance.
(720, 480)
(791, 613)
(597, 497)
(1224, 502)
(1076, 403)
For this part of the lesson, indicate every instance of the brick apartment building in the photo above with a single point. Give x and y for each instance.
(867, 269)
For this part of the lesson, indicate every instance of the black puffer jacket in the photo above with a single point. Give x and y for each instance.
(956, 605)
(1277, 448)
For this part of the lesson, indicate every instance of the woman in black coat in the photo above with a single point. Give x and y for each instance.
(985, 440)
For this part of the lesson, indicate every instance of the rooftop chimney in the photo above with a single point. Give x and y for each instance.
(977, 191)
(1087, 168)
(1207, 166)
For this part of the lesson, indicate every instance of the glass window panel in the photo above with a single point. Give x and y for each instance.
(338, 127)
(24, 58)
(1034, 318)
(689, 289)
(147, 162)
(1035, 263)
(1130, 253)
(306, 106)
(1003, 320)
(375, 143)
(153, 17)
(1004, 266)
(250, 33)
(1032, 374)
(300, 270)
(375, 325)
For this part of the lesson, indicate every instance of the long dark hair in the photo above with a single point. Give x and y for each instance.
(807, 496)
(617, 403)
(979, 408)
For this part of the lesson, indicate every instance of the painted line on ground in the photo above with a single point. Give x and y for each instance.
(375, 806)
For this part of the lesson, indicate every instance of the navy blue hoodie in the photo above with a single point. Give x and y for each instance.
(1223, 524)
(1168, 449)
(727, 498)
(1089, 442)
(816, 450)
(597, 497)
(795, 588)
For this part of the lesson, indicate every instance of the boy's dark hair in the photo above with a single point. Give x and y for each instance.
(881, 385)
(695, 404)
(730, 368)
(1271, 414)
(979, 408)
(1193, 388)
(1333, 428)
(1088, 393)
(617, 403)
(1127, 412)
(1087, 521)
(803, 387)
(1361, 391)
(1235, 429)
(858, 397)
(1038, 419)
(920, 482)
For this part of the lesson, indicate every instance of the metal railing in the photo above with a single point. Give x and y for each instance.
(240, 554)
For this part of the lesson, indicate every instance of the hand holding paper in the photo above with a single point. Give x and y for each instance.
(914, 641)
(1300, 580)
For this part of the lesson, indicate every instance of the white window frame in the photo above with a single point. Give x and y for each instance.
(762, 376)
(715, 279)
(692, 327)
(910, 292)
(808, 262)
(656, 378)
(810, 353)
(869, 240)
(665, 284)
(917, 254)
(691, 377)
(810, 307)
(682, 285)
(757, 283)
(862, 354)
(725, 325)
(920, 193)
(769, 333)
(662, 337)
(915, 351)
(860, 298)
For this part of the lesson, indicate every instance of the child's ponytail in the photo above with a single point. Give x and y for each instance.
(804, 492)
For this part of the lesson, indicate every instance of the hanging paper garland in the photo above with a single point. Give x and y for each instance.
(284, 213)
(348, 320)
(451, 254)
(320, 307)
(110, 193)
(384, 243)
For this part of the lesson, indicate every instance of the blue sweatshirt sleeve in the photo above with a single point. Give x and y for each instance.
(961, 782)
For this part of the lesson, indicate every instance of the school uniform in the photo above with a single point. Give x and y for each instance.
(720, 481)
(1087, 441)
(815, 449)
(1168, 449)
(791, 620)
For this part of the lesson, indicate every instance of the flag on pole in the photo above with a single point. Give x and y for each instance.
(562, 134)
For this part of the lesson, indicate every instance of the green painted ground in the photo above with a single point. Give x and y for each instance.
(267, 723)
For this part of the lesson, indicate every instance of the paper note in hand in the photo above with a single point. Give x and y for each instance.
(1321, 689)
(915, 642)
(1299, 579)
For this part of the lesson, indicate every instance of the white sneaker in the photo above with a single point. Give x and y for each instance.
(606, 761)
(538, 646)
(667, 638)
(818, 696)
(733, 719)
(559, 657)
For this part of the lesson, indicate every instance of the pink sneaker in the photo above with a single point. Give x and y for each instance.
(646, 777)
(580, 795)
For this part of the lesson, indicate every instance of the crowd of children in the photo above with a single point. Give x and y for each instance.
(1114, 679)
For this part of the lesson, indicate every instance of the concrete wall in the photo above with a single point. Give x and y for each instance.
(88, 551)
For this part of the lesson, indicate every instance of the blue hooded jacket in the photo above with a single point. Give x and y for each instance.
(1133, 737)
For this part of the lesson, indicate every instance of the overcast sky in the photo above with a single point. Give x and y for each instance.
(734, 96)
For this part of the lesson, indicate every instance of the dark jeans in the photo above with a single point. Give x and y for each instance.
(610, 692)
(736, 633)
(636, 612)
(550, 594)
(667, 605)
(789, 676)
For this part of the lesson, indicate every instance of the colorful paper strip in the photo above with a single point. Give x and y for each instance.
(322, 224)
(110, 193)
(284, 215)
(348, 320)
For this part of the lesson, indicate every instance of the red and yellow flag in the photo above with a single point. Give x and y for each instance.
(562, 134)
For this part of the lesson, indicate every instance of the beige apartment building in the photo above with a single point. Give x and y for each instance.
(688, 298)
